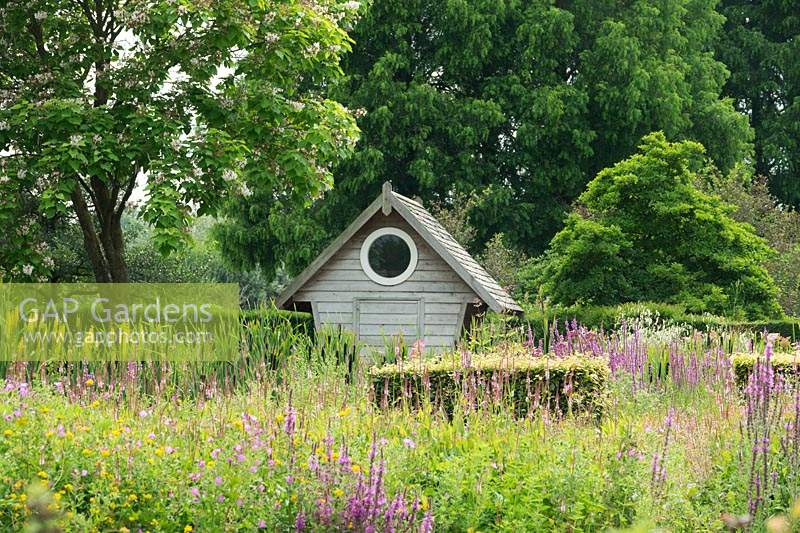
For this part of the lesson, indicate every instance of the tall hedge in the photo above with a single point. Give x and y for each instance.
(608, 316)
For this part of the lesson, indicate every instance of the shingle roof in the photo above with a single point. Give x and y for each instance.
(473, 269)
(434, 234)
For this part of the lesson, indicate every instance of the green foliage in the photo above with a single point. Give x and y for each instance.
(609, 317)
(272, 318)
(577, 384)
(519, 103)
(502, 261)
(777, 223)
(759, 45)
(204, 101)
(645, 232)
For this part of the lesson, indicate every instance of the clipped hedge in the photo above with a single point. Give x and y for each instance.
(784, 364)
(577, 384)
(607, 317)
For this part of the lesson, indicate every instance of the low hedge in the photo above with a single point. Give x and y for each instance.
(784, 364)
(577, 384)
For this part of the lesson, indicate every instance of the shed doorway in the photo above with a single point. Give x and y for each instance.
(380, 321)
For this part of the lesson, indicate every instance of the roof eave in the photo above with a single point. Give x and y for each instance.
(326, 254)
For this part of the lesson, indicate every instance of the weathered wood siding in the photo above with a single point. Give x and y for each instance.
(432, 300)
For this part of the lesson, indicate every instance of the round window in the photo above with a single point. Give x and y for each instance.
(388, 256)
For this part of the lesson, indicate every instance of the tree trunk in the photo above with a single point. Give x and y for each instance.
(106, 248)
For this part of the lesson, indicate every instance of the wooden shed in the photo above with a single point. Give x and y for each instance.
(395, 271)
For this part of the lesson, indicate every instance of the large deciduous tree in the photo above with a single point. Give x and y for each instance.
(518, 102)
(644, 231)
(199, 101)
(760, 44)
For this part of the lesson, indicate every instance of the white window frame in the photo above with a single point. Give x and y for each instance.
(374, 276)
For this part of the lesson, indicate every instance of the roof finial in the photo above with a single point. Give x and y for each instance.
(387, 197)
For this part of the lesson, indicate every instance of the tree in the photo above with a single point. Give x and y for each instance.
(760, 45)
(519, 102)
(644, 231)
(777, 223)
(197, 100)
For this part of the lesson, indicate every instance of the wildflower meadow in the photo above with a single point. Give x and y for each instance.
(697, 431)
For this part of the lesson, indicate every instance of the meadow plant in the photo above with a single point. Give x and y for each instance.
(297, 436)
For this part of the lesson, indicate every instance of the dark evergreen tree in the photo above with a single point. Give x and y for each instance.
(520, 103)
(760, 44)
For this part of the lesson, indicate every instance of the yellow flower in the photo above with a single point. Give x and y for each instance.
(279, 419)
(87, 452)
(42, 474)
(90, 382)
(293, 497)
(424, 503)
(187, 529)
(8, 433)
(345, 412)
(355, 468)
(104, 452)
(96, 404)
(124, 529)
(210, 464)
(132, 497)
(338, 493)
(68, 486)
(159, 452)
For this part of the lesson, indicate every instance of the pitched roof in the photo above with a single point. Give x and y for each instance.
(434, 235)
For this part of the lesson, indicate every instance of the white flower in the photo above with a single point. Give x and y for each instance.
(352, 5)
(96, 138)
(3, 125)
(271, 37)
(298, 106)
(27, 270)
(75, 139)
(229, 175)
(176, 144)
(48, 261)
(313, 49)
(40, 16)
(245, 190)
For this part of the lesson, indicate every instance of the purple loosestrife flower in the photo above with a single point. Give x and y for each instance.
(300, 522)
(427, 523)
(289, 422)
